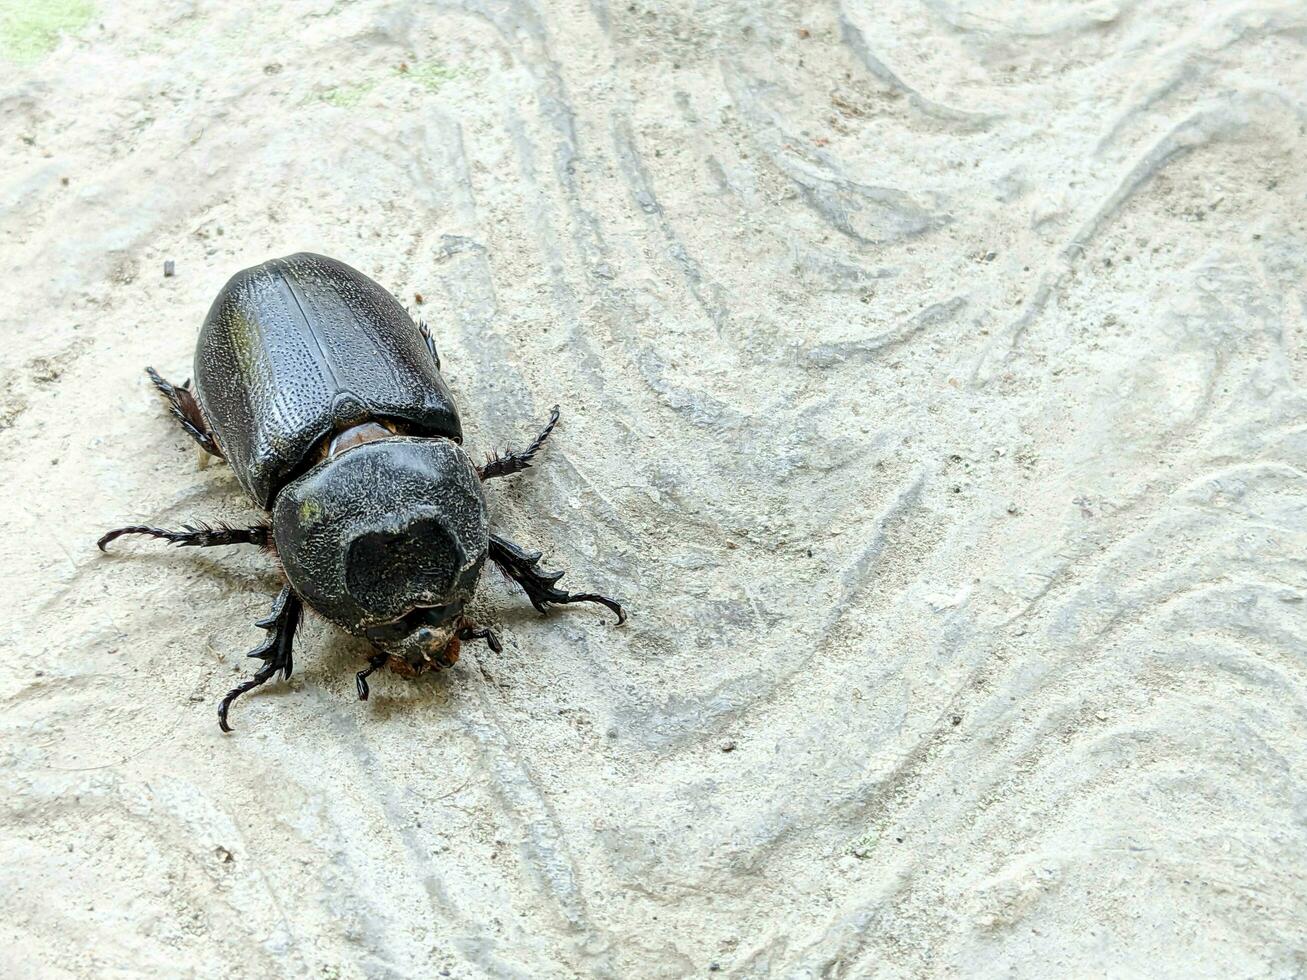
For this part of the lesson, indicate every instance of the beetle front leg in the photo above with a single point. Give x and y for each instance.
(361, 678)
(514, 461)
(540, 587)
(186, 410)
(275, 651)
(471, 632)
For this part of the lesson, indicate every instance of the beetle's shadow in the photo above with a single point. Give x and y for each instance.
(244, 581)
(503, 605)
(331, 658)
(228, 578)
(334, 652)
(336, 657)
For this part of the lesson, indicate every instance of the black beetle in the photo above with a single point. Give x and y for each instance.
(326, 400)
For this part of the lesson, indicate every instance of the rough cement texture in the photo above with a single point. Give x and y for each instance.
(933, 376)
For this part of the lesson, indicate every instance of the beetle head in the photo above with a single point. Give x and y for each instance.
(387, 540)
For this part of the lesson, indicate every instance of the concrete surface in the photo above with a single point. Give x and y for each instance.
(932, 376)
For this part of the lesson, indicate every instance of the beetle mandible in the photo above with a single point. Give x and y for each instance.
(326, 400)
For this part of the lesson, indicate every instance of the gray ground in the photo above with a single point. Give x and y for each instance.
(933, 376)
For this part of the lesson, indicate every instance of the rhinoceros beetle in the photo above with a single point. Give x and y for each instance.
(326, 400)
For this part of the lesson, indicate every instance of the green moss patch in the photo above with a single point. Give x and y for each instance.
(29, 29)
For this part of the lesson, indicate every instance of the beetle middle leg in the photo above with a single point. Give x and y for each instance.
(514, 461)
(522, 567)
(275, 651)
(186, 410)
(197, 536)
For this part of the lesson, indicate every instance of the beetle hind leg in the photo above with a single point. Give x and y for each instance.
(186, 410)
(541, 587)
(430, 342)
(514, 461)
(275, 651)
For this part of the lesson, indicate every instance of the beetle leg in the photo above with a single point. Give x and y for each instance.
(470, 632)
(199, 536)
(275, 651)
(431, 341)
(522, 567)
(186, 410)
(513, 461)
(361, 678)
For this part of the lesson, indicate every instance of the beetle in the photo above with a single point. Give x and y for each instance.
(326, 400)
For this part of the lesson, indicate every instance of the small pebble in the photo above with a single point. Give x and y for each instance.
(728, 746)
(169, 267)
